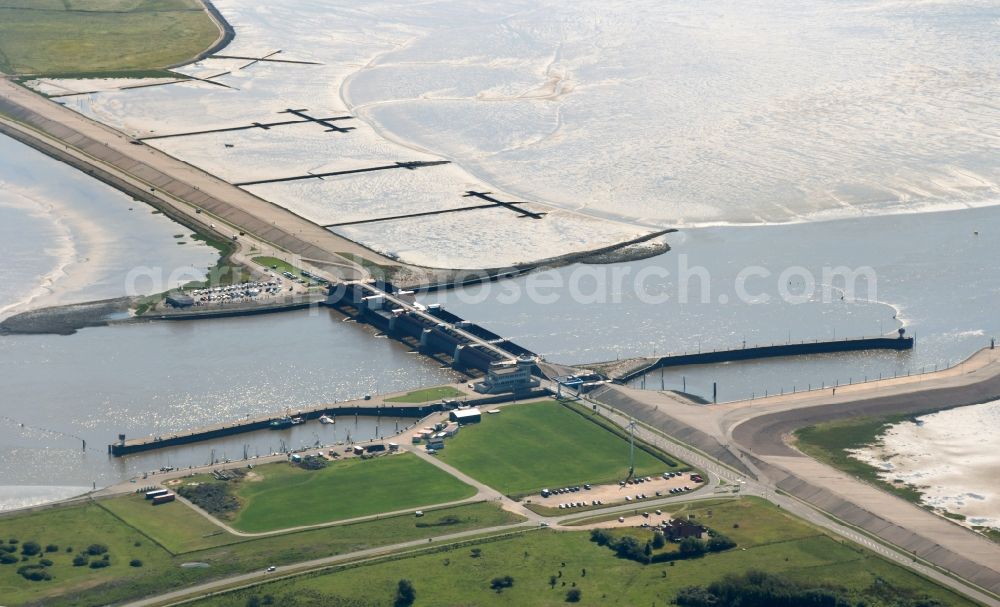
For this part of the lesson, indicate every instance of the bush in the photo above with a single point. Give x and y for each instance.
(499, 583)
(46, 562)
(80, 560)
(213, 498)
(69, 549)
(692, 547)
(758, 589)
(8, 559)
(630, 548)
(601, 537)
(135, 563)
(31, 548)
(720, 543)
(658, 540)
(35, 573)
(52, 548)
(96, 549)
(312, 462)
(405, 594)
(8, 548)
(99, 564)
(573, 595)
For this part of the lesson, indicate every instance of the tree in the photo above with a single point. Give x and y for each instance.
(629, 548)
(96, 549)
(553, 580)
(573, 595)
(52, 548)
(659, 541)
(8, 559)
(135, 563)
(476, 553)
(80, 560)
(405, 594)
(692, 546)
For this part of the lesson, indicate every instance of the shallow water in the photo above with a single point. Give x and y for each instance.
(624, 121)
(159, 378)
(949, 457)
(66, 237)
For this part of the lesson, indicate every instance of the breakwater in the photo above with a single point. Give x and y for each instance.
(125, 447)
(772, 351)
(359, 408)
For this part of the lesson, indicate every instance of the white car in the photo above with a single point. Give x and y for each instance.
(272, 569)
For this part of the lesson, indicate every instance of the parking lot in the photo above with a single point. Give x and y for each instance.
(636, 491)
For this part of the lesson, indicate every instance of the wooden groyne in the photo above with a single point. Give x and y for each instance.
(772, 351)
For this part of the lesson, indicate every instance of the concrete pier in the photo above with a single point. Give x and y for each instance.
(772, 351)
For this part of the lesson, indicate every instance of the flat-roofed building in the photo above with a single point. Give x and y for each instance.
(513, 376)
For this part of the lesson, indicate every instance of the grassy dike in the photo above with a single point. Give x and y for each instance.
(101, 38)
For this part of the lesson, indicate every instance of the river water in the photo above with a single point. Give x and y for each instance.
(933, 274)
(67, 238)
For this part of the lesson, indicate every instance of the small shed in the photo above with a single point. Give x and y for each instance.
(472, 415)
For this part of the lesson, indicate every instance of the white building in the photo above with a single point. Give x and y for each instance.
(508, 377)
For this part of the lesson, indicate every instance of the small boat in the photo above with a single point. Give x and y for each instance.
(298, 420)
(282, 422)
(326, 419)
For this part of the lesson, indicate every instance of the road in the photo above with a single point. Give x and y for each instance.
(719, 479)
(752, 434)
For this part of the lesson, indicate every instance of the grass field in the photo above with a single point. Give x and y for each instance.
(427, 395)
(52, 37)
(828, 442)
(121, 523)
(287, 496)
(528, 447)
(173, 525)
(77, 528)
(767, 539)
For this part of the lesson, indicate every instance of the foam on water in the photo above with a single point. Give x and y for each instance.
(14, 497)
(27, 273)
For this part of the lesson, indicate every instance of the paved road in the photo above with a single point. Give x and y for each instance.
(249, 579)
